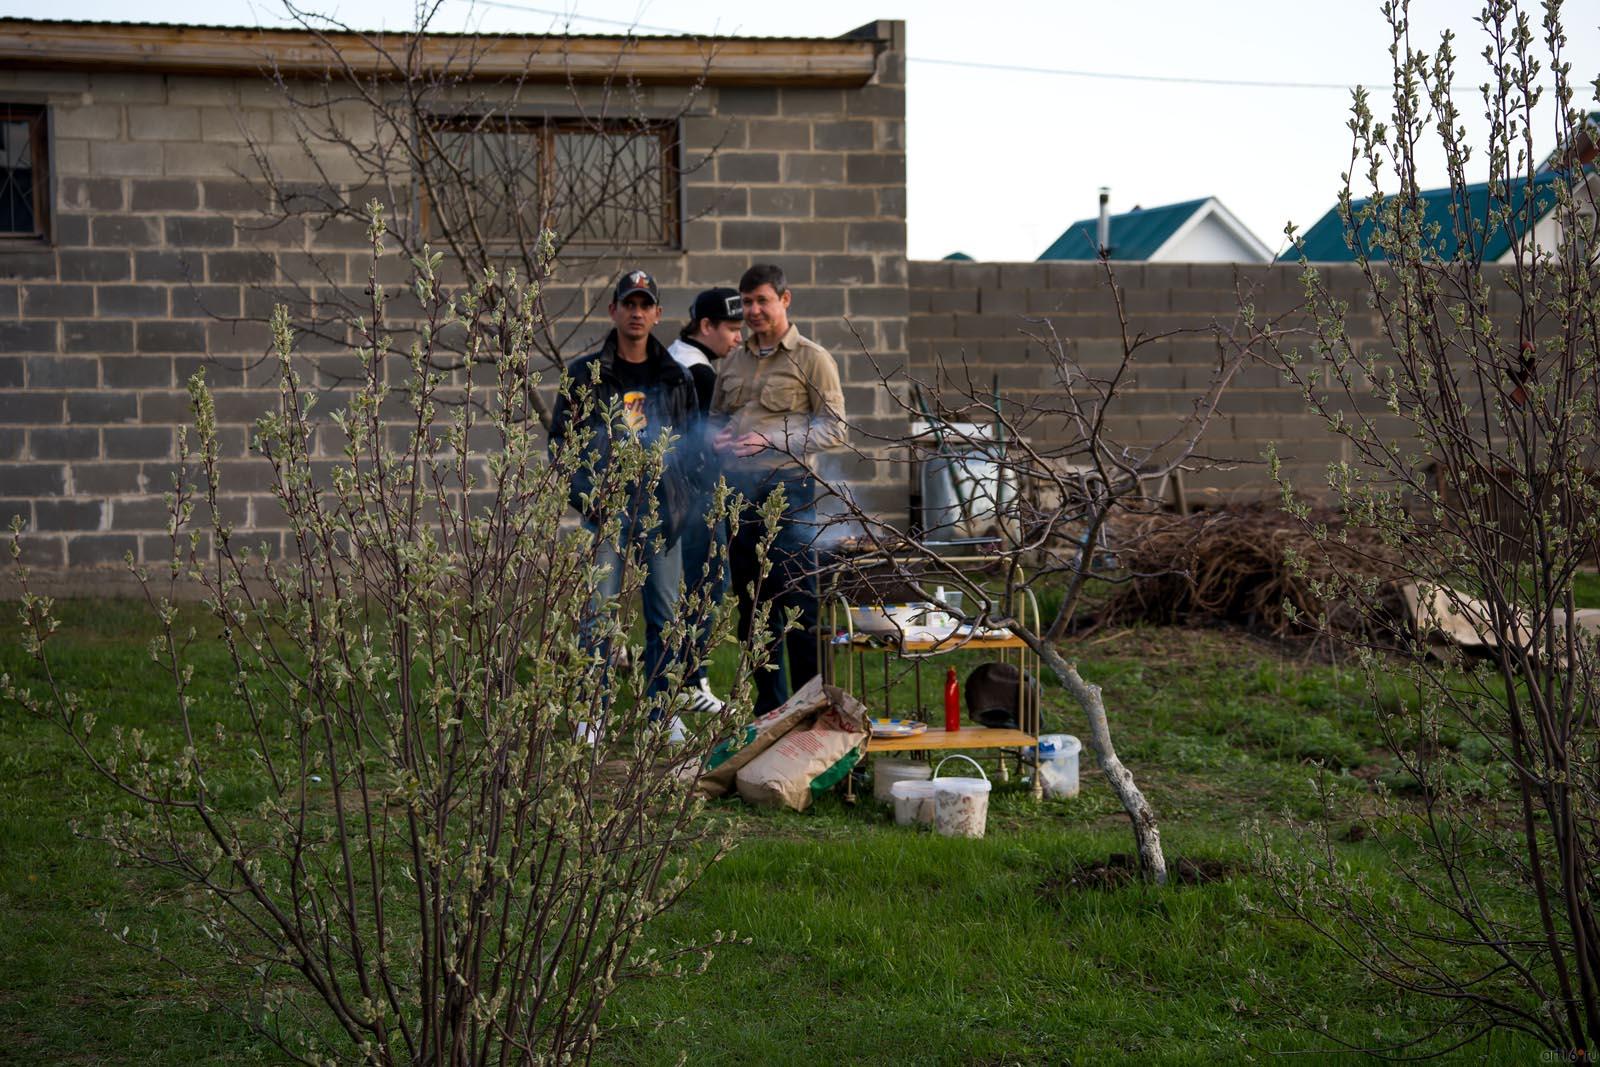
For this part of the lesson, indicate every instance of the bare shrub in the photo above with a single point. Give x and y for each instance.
(421, 861)
(1473, 430)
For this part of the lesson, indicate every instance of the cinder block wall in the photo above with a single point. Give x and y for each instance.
(160, 266)
(984, 314)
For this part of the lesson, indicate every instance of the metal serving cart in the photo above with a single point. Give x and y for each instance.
(847, 653)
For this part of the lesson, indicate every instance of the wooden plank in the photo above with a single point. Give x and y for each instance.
(966, 737)
(834, 62)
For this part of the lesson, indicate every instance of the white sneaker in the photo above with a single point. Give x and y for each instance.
(677, 733)
(701, 700)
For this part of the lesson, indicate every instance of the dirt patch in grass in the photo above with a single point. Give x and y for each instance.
(1369, 772)
(1122, 869)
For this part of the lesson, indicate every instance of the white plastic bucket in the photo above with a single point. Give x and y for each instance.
(1058, 764)
(886, 772)
(960, 805)
(913, 802)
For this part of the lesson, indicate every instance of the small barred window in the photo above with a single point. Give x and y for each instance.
(594, 183)
(24, 172)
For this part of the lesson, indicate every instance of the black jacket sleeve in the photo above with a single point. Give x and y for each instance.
(699, 463)
(561, 422)
(705, 380)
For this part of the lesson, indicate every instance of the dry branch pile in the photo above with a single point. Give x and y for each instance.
(1234, 564)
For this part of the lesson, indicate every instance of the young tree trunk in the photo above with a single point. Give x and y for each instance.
(1146, 834)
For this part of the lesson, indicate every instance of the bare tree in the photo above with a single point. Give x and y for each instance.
(1472, 425)
(476, 154)
(1045, 480)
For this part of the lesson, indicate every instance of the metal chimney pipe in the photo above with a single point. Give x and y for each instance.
(1103, 233)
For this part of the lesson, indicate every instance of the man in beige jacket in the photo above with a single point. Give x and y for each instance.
(779, 403)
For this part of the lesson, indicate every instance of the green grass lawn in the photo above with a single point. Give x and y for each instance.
(869, 943)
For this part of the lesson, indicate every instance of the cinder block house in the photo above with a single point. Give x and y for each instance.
(139, 240)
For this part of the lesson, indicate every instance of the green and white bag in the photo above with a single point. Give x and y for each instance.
(810, 759)
(732, 753)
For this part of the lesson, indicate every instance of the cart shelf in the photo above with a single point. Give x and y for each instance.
(966, 737)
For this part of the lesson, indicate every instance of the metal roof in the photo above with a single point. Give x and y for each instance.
(157, 24)
(1135, 234)
(1325, 242)
(847, 61)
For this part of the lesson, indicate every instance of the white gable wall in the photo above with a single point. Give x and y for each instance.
(1208, 242)
(1547, 231)
(1212, 235)
(1546, 236)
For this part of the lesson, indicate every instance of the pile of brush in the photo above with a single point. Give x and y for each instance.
(1238, 564)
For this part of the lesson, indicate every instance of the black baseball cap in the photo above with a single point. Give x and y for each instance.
(718, 305)
(636, 281)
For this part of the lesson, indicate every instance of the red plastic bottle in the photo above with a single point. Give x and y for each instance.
(952, 702)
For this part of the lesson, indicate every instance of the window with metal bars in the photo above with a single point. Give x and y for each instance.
(506, 178)
(24, 172)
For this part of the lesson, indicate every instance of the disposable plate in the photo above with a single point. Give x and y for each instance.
(897, 727)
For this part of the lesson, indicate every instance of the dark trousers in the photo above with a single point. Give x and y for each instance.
(663, 575)
(704, 569)
(791, 582)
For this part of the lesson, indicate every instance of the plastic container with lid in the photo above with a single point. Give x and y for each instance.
(886, 772)
(913, 802)
(1058, 764)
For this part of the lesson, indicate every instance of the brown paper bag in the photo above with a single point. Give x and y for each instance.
(807, 761)
(732, 753)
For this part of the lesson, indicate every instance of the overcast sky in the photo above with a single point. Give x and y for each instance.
(1001, 161)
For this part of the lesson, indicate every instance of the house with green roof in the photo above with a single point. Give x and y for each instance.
(1457, 222)
(1195, 231)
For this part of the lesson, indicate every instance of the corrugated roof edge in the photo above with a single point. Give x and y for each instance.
(850, 61)
(374, 31)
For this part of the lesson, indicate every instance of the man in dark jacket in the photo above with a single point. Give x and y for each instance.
(632, 376)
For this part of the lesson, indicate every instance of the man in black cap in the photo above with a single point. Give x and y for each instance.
(715, 328)
(633, 375)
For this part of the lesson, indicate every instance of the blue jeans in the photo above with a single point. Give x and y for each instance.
(704, 569)
(791, 582)
(663, 576)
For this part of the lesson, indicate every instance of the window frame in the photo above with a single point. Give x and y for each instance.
(39, 145)
(548, 128)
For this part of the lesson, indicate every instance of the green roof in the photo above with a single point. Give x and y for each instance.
(960, 256)
(1135, 234)
(1325, 242)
